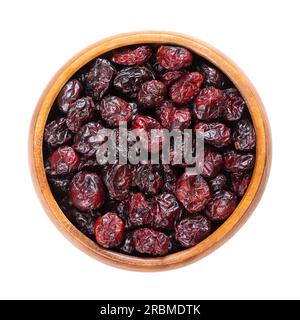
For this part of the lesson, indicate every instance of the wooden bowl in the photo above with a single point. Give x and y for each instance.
(228, 228)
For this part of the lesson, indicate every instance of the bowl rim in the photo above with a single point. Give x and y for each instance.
(220, 235)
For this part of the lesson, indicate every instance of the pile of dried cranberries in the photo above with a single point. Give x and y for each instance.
(148, 209)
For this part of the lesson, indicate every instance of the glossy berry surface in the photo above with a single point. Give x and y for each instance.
(57, 133)
(233, 105)
(131, 57)
(236, 162)
(71, 91)
(244, 136)
(212, 76)
(151, 94)
(140, 210)
(173, 58)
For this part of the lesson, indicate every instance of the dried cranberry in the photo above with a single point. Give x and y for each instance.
(215, 133)
(57, 133)
(244, 136)
(63, 161)
(117, 179)
(151, 242)
(235, 162)
(193, 192)
(234, 105)
(114, 110)
(71, 91)
(80, 112)
(192, 230)
(99, 78)
(109, 230)
(89, 138)
(60, 184)
(208, 104)
(148, 178)
(174, 58)
(170, 77)
(221, 205)
(166, 211)
(240, 182)
(131, 57)
(151, 94)
(143, 126)
(172, 118)
(129, 80)
(86, 191)
(88, 164)
(170, 177)
(212, 76)
(140, 210)
(210, 163)
(218, 182)
(186, 88)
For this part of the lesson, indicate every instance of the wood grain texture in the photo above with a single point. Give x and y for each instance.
(228, 228)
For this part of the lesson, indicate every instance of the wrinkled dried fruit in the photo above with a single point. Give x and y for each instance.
(131, 57)
(173, 58)
(151, 242)
(221, 205)
(109, 230)
(218, 182)
(235, 162)
(192, 230)
(151, 94)
(115, 110)
(240, 182)
(170, 177)
(140, 210)
(99, 78)
(129, 80)
(170, 77)
(117, 179)
(57, 133)
(208, 104)
(86, 191)
(210, 163)
(212, 76)
(186, 88)
(80, 112)
(172, 118)
(234, 105)
(71, 91)
(215, 133)
(128, 246)
(193, 192)
(60, 184)
(244, 136)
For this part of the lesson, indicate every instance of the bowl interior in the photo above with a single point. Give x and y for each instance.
(244, 208)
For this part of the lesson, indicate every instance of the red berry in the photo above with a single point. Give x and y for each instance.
(151, 94)
(174, 58)
(244, 136)
(71, 91)
(218, 182)
(86, 191)
(140, 210)
(210, 163)
(234, 105)
(212, 76)
(109, 230)
(235, 162)
(170, 77)
(131, 57)
(57, 133)
(240, 182)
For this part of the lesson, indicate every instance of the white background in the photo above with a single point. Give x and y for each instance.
(261, 261)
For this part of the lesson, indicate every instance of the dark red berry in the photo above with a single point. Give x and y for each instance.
(212, 76)
(115, 110)
(131, 57)
(221, 205)
(148, 178)
(151, 94)
(244, 136)
(192, 230)
(151, 242)
(144, 126)
(57, 133)
(80, 112)
(109, 230)
(166, 211)
(129, 80)
(218, 182)
(60, 184)
(63, 161)
(240, 182)
(208, 104)
(99, 78)
(117, 179)
(86, 191)
(170, 77)
(235, 162)
(234, 105)
(215, 133)
(174, 58)
(171, 117)
(128, 246)
(186, 88)
(170, 177)
(140, 210)
(210, 163)
(89, 138)
(71, 91)
(193, 192)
